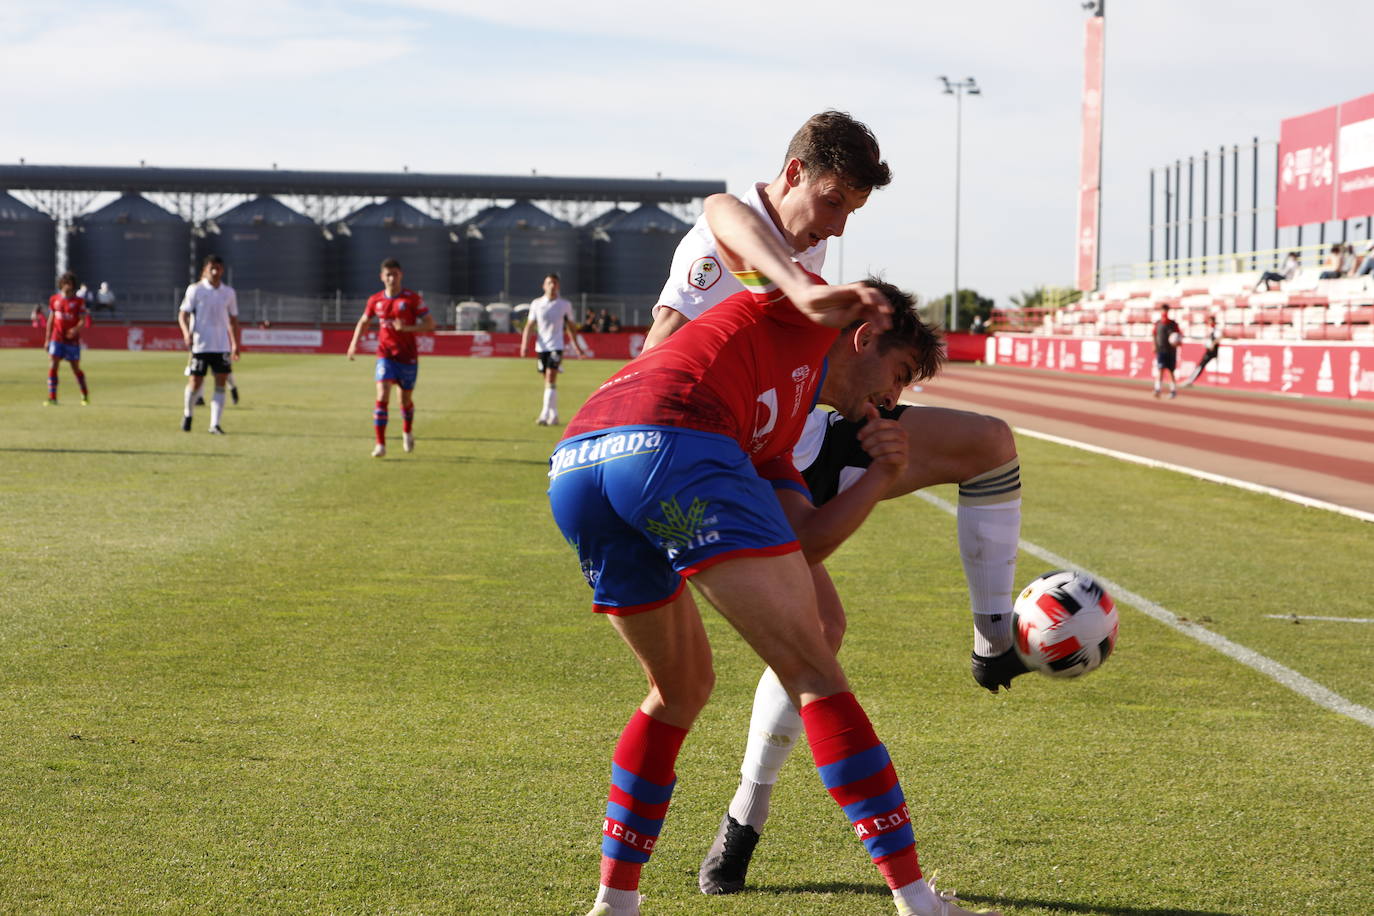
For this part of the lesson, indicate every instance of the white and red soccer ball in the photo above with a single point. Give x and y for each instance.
(1064, 624)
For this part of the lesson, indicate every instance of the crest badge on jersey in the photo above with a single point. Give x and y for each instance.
(704, 272)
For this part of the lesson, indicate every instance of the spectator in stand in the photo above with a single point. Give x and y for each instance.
(1213, 347)
(1290, 270)
(612, 324)
(105, 297)
(1167, 337)
(36, 318)
(1366, 265)
(1334, 264)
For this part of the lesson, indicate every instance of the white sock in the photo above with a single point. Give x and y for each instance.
(919, 896)
(774, 727)
(217, 407)
(189, 400)
(551, 402)
(989, 518)
(618, 899)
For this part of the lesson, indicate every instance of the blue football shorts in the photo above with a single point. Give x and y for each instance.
(647, 506)
(65, 351)
(403, 374)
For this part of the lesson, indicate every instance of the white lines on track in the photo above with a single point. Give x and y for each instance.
(1299, 684)
(1297, 617)
(1202, 475)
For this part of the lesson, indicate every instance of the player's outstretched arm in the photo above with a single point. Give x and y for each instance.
(666, 320)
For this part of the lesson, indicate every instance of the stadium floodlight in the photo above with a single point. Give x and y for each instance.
(958, 89)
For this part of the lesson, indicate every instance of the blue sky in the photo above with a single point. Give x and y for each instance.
(708, 90)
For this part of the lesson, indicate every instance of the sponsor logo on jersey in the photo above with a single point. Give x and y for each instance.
(704, 272)
(765, 418)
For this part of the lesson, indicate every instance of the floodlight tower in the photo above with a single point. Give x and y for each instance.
(957, 88)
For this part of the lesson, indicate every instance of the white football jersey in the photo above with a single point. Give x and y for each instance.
(210, 308)
(548, 316)
(697, 279)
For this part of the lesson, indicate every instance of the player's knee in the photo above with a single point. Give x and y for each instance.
(685, 696)
(993, 445)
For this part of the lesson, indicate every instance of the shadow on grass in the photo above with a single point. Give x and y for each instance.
(978, 900)
(116, 451)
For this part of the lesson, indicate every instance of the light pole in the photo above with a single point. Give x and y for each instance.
(957, 88)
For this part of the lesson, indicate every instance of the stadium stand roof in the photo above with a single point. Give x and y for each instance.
(380, 184)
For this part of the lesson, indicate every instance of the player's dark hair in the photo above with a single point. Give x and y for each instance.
(391, 264)
(211, 259)
(834, 143)
(66, 278)
(553, 275)
(908, 330)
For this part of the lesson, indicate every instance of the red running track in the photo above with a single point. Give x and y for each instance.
(1321, 450)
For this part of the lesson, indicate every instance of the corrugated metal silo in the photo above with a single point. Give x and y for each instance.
(520, 244)
(137, 247)
(394, 229)
(634, 263)
(270, 247)
(590, 235)
(28, 252)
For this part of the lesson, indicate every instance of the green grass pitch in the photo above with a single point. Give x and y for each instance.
(265, 673)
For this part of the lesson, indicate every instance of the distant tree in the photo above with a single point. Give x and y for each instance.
(1046, 297)
(970, 304)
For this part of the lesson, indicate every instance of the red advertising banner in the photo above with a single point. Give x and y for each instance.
(1307, 168)
(1090, 161)
(621, 346)
(1315, 369)
(1355, 159)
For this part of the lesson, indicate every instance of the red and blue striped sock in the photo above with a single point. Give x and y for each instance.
(408, 417)
(379, 418)
(52, 384)
(642, 780)
(857, 771)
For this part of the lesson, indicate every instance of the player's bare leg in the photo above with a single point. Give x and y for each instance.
(978, 453)
(217, 403)
(193, 384)
(548, 415)
(408, 419)
(772, 603)
(379, 418)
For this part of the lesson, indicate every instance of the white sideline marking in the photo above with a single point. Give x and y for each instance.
(1332, 619)
(1202, 475)
(1303, 686)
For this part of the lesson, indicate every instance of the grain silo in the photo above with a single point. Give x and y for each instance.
(633, 258)
(140, 249)
(517, 247)
(28, 252)
(393, 229)
(268, 246)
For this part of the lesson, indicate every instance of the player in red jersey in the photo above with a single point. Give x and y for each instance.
(67, 315)
(680, 466)
(400, 314)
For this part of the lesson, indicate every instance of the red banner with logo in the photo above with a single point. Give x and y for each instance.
(1090, 161)
(1307, 168)
(1312, 368)
(1355, 159)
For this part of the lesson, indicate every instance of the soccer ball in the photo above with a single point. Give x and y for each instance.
(1064, 624)
(1175, 339)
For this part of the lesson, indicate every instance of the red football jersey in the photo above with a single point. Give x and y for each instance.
(67, 312)
(750, 368)
(405, 305)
